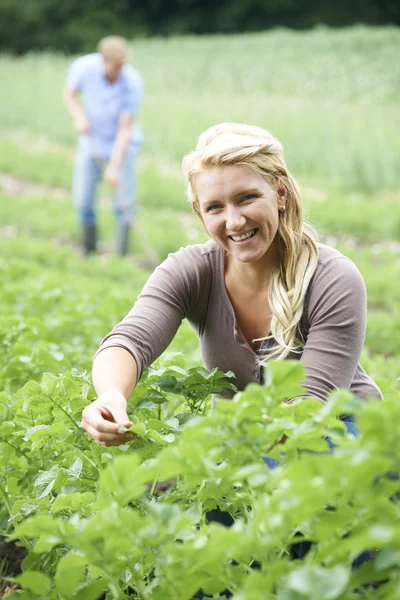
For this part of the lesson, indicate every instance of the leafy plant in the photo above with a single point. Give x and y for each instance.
(92, 524)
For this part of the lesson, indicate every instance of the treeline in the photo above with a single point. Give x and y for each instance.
(74, 26)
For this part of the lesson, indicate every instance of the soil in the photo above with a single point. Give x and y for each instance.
(16, 186)
(11, 557)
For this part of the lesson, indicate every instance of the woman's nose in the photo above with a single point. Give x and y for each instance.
(234, 219)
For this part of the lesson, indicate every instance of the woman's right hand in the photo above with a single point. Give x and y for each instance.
(103, 419)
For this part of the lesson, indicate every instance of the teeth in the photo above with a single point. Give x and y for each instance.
(239, 238)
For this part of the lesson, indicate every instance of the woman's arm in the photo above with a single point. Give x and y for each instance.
(178, 287)
(114, 378)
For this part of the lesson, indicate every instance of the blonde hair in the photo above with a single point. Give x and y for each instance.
(254, 147)
(114, 47)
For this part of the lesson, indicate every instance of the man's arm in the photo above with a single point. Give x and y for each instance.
(121, 144)
(76, 110)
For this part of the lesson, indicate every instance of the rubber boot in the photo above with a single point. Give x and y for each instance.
(122, 238)
(89, 238)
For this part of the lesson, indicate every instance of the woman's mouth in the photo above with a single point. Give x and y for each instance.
(244, 236)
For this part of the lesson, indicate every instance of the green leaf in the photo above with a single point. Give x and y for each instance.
(28, 394)
(159, 438)
(23, 508)
(284, 379)
(37, 525)
(12, 485)
(123, 479)
(36, 582)
(76, 469)
(318, 583)
(92, 591)
(45, 482)
(24, 595)
(185, 417)
(386, 558)
(153, 396)
(139, 429)
(70, 574)
(35, 429)
(76, 502)
(169, 383)
(49, 384)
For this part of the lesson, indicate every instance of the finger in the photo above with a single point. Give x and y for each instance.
(93, 417)
(107, 439)
(116, 442)
(120, 416)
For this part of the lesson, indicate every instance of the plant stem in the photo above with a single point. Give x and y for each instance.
(80, 431)
(22, 452)
(153, 487)
(9, 509)
(96, 459)
(6, 499)
(87, 458)
(116, 592)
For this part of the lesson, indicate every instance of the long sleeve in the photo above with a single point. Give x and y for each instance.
(174, 291)
(336, 312)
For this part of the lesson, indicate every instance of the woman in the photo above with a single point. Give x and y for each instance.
(261, 288)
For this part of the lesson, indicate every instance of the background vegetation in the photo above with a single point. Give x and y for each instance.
(329, 96)
(332, 98)
(71, 26)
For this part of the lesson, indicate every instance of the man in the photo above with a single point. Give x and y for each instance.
(103, 95)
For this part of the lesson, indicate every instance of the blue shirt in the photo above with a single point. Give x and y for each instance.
(105, 102)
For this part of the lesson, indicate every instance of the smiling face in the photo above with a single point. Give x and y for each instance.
(240, 211)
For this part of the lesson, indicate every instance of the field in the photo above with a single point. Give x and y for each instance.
(331, 97)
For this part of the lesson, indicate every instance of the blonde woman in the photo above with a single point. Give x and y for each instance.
(261, 288)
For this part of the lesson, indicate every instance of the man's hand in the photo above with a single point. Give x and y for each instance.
(105, 420)
(111, 175)
(81, 124)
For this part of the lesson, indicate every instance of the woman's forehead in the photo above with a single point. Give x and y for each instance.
(229, 179)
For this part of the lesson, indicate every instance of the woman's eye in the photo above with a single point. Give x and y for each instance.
(248, 197)
(213, 207)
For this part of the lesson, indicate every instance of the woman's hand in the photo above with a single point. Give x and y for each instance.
(105, 418)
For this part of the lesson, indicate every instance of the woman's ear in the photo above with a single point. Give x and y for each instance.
(282, 197)
(282, 191)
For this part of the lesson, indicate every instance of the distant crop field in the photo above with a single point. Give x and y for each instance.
(331, 96)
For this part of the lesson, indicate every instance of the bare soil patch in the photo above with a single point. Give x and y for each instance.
(11, 557)
(14, 186)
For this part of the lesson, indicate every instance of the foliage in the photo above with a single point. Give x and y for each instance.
(67, 500)
(71, 27)
(93, 522)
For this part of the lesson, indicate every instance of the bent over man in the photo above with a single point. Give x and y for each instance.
(103, 95)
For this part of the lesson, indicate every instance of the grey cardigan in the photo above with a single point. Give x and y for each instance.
(190, 284)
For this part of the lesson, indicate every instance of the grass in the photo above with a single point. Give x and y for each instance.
(51, 296)
(331, 96)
